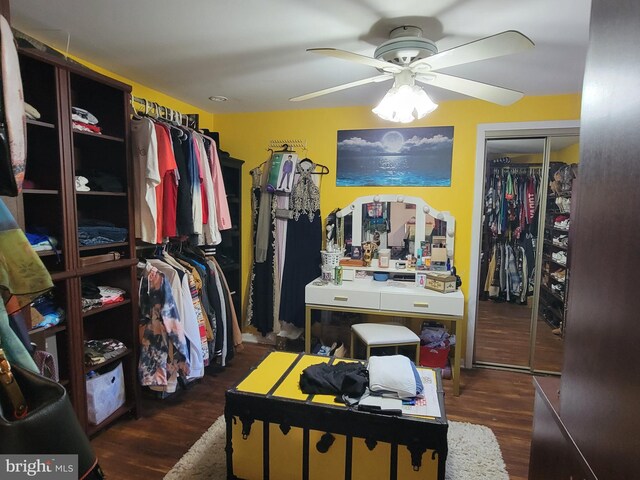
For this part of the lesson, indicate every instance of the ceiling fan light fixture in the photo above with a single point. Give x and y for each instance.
(404, 104)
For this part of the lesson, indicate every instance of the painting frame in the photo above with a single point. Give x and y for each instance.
(397, 157)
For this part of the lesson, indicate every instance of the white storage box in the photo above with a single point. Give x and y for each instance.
(105, 394)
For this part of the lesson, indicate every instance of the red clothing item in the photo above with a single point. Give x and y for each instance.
(86, 127)
(167, 190)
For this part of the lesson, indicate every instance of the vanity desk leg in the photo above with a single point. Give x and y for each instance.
(307, 329)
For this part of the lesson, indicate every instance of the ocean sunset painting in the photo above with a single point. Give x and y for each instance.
(399, 157)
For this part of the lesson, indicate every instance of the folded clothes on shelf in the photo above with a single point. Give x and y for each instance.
(45, 312)
(81, 184)
(101, 181)
(86, 127)
(99, 351)
(84, 116)
(41, 242)
(96, 232)
(31, 112)
(97, 296)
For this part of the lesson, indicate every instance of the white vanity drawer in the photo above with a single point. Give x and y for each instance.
(422, 302)
(342, 297)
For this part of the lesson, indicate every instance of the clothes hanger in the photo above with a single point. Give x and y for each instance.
(308, 165)
(134, 112)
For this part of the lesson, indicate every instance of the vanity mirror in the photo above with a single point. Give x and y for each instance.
(400, 223)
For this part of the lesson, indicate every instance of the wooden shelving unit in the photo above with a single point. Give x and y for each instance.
(51, 205)
(229, 252)
(553, 306)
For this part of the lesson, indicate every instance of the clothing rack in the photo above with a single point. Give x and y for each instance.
(287, 145)
(154, 109)
(518, 167)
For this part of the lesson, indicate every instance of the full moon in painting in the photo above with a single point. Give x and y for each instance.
(393, 141)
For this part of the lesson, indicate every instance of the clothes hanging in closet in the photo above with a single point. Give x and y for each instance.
(287, 238)
(260, 309)
(163, 348)
(186, 318)
(178, 189)
(509, 229)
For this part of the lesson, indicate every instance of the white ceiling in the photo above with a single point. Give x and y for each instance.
(253, 51)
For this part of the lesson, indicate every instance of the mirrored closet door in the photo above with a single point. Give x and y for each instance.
(523, 268)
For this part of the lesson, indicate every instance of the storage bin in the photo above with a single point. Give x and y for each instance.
(105, 394)
(434, 357)
(330, 259)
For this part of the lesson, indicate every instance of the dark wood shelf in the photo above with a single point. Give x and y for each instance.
(93, 429)
(551, 260)
(233, 199)
(104, 308)
(105, 266)
(232, 232)
(88, 368)
(48, 253)
(40, 123)
(40, 191)
(103, 194)
(563, 195)
(57, 276)
(556, 213)
(98, 135)
(102, 245)
(551, 244)
(48, 331)
(230, 267)
(552, 293)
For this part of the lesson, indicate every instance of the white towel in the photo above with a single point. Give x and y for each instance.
(392, 375)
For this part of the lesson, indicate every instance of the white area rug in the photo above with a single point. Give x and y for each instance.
(474, 454)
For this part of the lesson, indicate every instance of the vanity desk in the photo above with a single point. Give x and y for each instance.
(392, 298)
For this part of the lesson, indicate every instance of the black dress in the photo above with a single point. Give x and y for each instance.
(261, 288)
(304, 242)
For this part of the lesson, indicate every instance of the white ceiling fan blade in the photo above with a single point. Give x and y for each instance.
(344, 86)
(483, 91)
(356, 57)
(505, 43)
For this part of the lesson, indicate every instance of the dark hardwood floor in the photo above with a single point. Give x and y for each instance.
(502, 336)
(147, 448)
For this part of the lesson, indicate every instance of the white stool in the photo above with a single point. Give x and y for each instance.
(381, 335)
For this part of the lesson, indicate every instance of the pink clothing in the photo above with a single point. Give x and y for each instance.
(222, 206)
(205, 203)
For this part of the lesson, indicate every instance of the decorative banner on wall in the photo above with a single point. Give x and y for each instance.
(398, 157)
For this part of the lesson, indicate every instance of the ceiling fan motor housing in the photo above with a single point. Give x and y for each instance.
(405, 46)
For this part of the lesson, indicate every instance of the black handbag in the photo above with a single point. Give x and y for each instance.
(36, 418)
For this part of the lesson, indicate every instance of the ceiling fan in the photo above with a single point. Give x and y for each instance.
(408, 57)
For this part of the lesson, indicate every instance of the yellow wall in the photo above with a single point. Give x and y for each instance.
(570, 154)
(246, 136)
(139, 90)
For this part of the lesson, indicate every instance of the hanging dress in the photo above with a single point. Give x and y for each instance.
(304, 242)
(261, 289)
